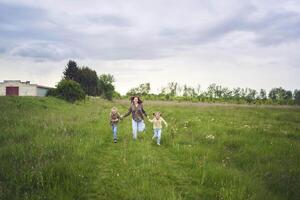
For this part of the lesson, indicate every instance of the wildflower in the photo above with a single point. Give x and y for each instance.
(186, 124)
(211, 137)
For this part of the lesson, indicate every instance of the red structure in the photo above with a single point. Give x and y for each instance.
(12, 91)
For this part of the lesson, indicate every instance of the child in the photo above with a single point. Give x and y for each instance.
(114, 119)
(157, 126)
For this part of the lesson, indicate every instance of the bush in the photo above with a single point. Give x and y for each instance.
(51, 92)
(68, 90)
(116, 95)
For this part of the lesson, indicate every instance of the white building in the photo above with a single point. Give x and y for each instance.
(18, 88)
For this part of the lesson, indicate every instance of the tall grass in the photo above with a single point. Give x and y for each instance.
(50, 149)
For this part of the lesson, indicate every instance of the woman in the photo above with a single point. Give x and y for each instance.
(137, 111)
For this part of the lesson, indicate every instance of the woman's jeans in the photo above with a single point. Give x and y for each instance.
(137, 127)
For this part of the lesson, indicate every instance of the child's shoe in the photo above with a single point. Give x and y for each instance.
(158, 144)
(115, 140)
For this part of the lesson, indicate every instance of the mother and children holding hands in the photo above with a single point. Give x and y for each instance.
(137, 112)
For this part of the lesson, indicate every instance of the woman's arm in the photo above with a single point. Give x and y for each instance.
(128, 113)
(119, 116)
(143, 111)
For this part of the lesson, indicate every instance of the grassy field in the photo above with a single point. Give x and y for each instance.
(50, 149)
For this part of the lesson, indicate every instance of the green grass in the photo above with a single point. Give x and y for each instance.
(50, 149)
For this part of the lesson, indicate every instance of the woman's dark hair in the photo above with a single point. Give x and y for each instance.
(139, 100)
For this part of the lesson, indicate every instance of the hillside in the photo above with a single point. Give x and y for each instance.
(50, 149)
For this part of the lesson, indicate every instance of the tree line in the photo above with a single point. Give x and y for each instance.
(218, 93)
(77, 82)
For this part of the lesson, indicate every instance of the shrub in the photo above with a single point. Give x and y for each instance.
(51, 92)
(68, 90)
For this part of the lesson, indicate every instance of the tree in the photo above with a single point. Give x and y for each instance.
(143, 89)
(198, 90)
(69, 90)
(211, 91)
(262, 94)
(171, 90)
(88, 79)
(218, 91)
(105, 87)
(226, 93)
(237, 93)
(250, 95)
(189, 91)
(71, 71)
(173, 86)
(297, 96)
(85, 76)
(280, 95)
(288, 96)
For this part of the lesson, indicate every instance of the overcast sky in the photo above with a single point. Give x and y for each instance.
(234, 43)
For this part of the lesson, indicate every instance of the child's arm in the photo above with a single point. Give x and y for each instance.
(150, 120)
(162, 119)
(120, 116)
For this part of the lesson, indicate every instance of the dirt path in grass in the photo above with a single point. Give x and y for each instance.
(135, 169)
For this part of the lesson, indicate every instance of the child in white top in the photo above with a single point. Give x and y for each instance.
(157, 126)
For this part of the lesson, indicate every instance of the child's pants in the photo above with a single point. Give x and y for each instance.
(137, 127)
(157, 134)
(114, 131)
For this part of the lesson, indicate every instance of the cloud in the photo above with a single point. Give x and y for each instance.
(279, 27)
(143, 40)
(109, 20)
(41, 51)
(131, 34)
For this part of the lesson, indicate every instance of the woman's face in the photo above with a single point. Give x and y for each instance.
(135, 100)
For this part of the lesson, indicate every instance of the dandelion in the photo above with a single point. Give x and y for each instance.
(186, 124)
(210, 137)
(174, 130)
